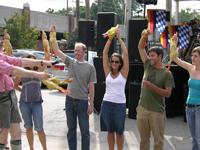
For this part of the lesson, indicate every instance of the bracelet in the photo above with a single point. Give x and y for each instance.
(146, 36)
(41, 63)
(109, 43)
(120, 41)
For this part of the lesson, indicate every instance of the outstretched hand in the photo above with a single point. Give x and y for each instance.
(43, 75)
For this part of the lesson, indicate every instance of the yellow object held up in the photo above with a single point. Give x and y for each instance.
(111, 33)
(7, 45)
(173, 53)
(45, 45)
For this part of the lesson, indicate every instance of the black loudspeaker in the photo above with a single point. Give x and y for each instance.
(136, 26)
(186, 90)
(105, 20)
(86, 32)
(98, 64)
(167, 15)
(134, 96)
(98, 95)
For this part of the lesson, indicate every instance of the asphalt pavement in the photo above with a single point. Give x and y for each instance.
(177, 136)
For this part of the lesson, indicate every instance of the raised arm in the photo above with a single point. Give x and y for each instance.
(26, 62)
(59, 53)
(125, 68)
(106, 65)
(141, 45)
(181, 63)
(20, 72)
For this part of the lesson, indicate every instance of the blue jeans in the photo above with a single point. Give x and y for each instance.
(193, 120)
(73, 109)
(32, 111)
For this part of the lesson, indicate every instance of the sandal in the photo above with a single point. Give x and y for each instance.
(7, 147)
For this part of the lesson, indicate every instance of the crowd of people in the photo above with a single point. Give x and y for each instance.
(157, 84)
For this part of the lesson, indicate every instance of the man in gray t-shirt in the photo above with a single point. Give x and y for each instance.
(76, 105)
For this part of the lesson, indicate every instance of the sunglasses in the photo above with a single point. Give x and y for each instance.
(112, 61)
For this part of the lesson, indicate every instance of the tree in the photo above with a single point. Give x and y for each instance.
(93, 11)
(72, 39)
(65, 35)
(116, 6)
(21, 35)
(185, 15)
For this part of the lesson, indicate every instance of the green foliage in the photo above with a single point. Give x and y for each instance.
(93, 11)
(72, 39)
(186, 15)
(116, 6)
(1, 31)
(21, 35)
(65, 35)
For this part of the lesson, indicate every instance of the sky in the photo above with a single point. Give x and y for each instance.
(43, 5)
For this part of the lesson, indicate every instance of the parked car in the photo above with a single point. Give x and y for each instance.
(39, 56)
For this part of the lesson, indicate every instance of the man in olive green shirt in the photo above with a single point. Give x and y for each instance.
(156, 85)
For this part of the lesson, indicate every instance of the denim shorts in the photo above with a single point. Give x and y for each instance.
(32, 112)
(112, 117)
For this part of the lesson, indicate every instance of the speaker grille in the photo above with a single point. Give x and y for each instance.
(136, 26)
(86, 32)
(105, 20)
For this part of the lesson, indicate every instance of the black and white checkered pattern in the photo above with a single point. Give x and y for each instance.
(160, 21)
(183, 35)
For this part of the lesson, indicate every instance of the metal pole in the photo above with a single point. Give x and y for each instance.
(177, 10)
(87, 6)
(99, 6)
(144, 10)
(129, 4)
(67, 9)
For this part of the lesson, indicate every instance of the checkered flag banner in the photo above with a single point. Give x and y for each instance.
(160, 21)
(183, 35)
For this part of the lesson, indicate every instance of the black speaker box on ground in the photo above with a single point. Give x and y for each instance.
(186, 90)
(136, 26)
(86, 32)
(105, 20)
(98, 95)
(134, 96)
(98, 64)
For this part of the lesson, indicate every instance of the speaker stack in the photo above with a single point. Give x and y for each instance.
(86, 32)
(136, 26)
(134, 96)
(105, 20)
(98, 96)
(186, 90)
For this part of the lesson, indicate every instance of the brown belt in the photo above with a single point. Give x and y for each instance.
(70, 97)
(192, 106)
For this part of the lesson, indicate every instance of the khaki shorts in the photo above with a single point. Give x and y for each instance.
(9, 111)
